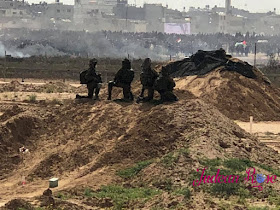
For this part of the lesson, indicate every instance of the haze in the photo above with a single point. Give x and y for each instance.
(251, 5)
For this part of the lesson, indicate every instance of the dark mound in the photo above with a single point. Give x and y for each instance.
(204, 62)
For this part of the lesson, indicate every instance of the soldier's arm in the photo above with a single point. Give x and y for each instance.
(156, 75)
(118, 75)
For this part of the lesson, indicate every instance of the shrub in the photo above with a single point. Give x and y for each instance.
(130, 172)
(32, 98)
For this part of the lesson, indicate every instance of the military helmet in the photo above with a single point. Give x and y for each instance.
(93, 61)
(126, 61)
(147, 63)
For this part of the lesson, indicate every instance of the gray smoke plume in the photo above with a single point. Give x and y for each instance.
(25, 43)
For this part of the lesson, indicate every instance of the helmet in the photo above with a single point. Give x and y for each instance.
(126, 63)
(93, 61)
(147, 63)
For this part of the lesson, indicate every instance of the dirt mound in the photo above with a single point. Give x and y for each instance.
(236, 88)
(95, 143)
(19, 130)
(234, 95)
(10, 112)
(18, 204)
(13, 86)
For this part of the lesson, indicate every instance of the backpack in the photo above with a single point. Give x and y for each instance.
(83, 77)
(127, 77)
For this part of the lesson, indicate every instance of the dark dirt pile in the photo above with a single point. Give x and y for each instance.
(18, 204)
(236, 88)
(204, 62)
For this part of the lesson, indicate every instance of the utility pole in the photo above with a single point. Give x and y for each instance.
(255, 59)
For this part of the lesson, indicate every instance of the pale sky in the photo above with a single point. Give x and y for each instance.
(251, 5)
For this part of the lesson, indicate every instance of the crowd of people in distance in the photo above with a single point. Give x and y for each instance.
(119, 44)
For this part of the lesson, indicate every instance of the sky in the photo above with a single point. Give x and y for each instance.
(251, 5)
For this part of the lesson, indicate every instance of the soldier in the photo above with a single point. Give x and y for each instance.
(148, 77)
(123, 79)
(165, 85)
(92, 79)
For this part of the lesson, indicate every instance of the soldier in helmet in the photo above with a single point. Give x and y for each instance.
(123, 79)
(92, 80)
(148, 77)
(165, 85)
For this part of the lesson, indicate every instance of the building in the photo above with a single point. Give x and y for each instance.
(87, 9)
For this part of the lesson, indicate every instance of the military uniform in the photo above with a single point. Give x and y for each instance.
(93, 84)
(148, 77)
(165, 85)
(123, 79)
(93, 81)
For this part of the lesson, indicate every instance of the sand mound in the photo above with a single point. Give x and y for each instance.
(86, 143)
(19, 130)
(236, 88)
(93, 136)
(9, 112)
(234, 95)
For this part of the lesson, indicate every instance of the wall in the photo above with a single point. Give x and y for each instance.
(154, 14)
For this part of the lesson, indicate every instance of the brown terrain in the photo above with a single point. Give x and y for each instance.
(112, 154)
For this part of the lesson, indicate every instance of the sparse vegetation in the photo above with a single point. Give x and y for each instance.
(32, 98)
(62, 196)
(165, 184)
(185, 152)
(169, 159)
(49, 88)
(268, 168)
(259, 208)
(88, 192)
(237, 164)
(274, 200)
(56, 101)
(184, 191)
(130, 172)
(121, 195)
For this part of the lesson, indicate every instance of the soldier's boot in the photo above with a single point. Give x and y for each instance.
(110, 88)
(150, 94)
(90, 87)
(97, 90)
(168, 96)
(142, 93)
(131, 96)
(141, 96)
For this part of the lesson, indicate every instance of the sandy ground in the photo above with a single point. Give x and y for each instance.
(21, 96)
(261, 127)
(36, 82)
(267, 132)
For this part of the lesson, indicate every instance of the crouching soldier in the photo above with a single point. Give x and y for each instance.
(123, 79)
(148, 77)
(92, 80)
(165, 85)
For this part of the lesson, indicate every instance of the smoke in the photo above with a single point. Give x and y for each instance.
(11, 52)
(26, 43)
